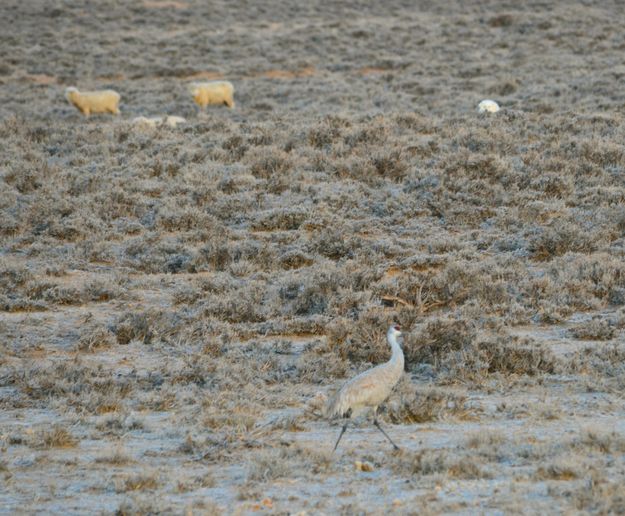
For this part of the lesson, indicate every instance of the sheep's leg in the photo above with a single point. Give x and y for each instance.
(377, 425)
(340, 435)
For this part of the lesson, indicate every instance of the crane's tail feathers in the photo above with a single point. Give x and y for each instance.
(332, 408)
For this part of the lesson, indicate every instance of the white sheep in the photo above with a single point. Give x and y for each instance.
(152, 121)
(173, 121)
(87, 102)
(488, 106)
(156, 121)
(213, 92)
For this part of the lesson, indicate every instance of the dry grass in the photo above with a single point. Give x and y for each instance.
(146, 481)
(184, 293)
(55, 437)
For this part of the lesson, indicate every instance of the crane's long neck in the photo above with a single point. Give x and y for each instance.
(397, 356)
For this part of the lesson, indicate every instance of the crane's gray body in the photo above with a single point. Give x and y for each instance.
(372, 387)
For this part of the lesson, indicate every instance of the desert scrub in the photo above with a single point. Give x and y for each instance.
(560, 237)
(560, 470)
(117, 456)
(317, 367)
(148, 326)
(280, 219)
(327, 132)
(245, 305)
(310, 293)
(439, 338)
(600, 440)
(490, 283)
(272, 464)
(432, 462)
(605, 361)
(421, 406)
(55, 437)
(95, 337)
(595, 329)
(268, 162)
(146, 481)
(458, 353)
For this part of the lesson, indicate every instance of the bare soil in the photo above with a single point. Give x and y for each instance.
(177, 303)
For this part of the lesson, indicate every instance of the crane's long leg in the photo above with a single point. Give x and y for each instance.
(375, 422)
(340, 435)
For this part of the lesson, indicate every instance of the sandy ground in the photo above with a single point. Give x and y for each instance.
(176, 304)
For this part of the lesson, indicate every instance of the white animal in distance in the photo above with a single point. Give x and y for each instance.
(488, 106)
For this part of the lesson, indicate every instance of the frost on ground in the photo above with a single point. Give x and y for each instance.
(176, 304)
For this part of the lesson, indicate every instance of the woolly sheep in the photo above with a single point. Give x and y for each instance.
(173, 121)
(488, 106)
(213, 92)
(154, 121)
(87, 102)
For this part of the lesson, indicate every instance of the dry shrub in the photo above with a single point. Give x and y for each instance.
(119, 425)
(309, 294)
(271, 464)
(390, 164)
(146, 481)
(213, 255)
(268, 162)
(326, 132)
(560, 470)
(316, 367)
(148, 326)
(363, 340)
(96, 338)
(431, 462)
(600, 494)
(59, 294)
(485, 439)
(185, 486)
(14, 277)
(150, 505)
(501, 20)
(238, 421)
(596, 329)
(467, 469)
(515, 356)
(117, 457)
(245, 305)
(333, 244)
(563, 236)
(428, 405)
(55, 437)
(268, 465)
(600, 440)
(454, 348)
(280, 219)
(606, 361)
(437, 340)
(602, 153)
(295, 259)
(186, 219)
(84, 388)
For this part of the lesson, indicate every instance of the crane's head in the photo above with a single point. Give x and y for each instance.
(394, 331)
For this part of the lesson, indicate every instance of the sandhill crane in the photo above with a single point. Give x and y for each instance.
(369, 389)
